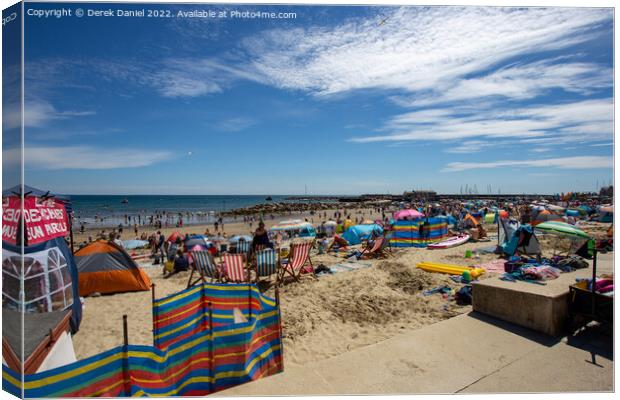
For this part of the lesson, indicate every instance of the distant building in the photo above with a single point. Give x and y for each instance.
(607, 191)
(419, 195)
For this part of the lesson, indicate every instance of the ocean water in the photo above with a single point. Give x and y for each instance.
(111, 211)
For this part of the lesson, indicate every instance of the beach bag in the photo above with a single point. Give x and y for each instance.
(464, 296)
(169, 266)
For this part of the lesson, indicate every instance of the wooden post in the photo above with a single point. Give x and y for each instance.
(153, 311)
(70, 218)
(126, 380)
(211, 360)
(249, 301)
(280, 329)
(594, 256)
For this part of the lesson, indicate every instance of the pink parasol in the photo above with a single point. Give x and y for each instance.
(408, 214)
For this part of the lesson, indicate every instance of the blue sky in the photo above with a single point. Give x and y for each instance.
(345, 100)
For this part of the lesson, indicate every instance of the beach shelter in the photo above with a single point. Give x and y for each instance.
(105, 267)
(198, 240)
(513, 237)
(469, 221)
(545, 216)
(356, 233)
(50, 278)
(408, 214)
(606, 214)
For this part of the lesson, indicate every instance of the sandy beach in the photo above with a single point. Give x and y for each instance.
(322, 317)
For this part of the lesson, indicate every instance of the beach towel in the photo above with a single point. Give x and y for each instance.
(349, 266)
(493, 266)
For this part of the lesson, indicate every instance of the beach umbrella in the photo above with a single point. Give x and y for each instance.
(134, 244)
(408, 214)
(367, 222)
(199, 240)
(237, 238)
(562, 229)
(331, 223)
(553, 207)
(607, 209)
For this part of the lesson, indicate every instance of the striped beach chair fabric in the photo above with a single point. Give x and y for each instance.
(243, 247)
(205, 266)
(266, 263)
(234, 267)
(299, 260)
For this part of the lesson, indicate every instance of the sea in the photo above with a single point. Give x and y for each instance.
(112, 210)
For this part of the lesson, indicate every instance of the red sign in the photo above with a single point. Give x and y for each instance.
(44, 219)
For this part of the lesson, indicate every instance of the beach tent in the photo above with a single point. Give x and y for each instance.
(606, 214)
(105, 267)
(408, 233)
(469, 221)
(513, 237)
(545, 216)
(50, 279)
(356, 233)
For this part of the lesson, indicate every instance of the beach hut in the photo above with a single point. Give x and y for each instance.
(105, 267)
(357, 233)
(294, 228)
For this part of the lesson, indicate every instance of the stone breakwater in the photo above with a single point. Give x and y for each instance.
(294, 208)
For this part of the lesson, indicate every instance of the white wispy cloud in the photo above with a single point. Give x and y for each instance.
(236, 124)
(421, 49)
(85, 157)
(581, 162)
(590, 120)
(37, 113)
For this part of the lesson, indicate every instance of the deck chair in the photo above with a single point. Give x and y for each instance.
(205, 266)
(243, 247)
(234, 268)
(266, 263)
(299, 257)
(373, 251)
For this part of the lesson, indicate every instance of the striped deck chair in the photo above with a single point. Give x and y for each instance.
(378, 248)
(266, 262)
(243, 247)
(234, 267)
(205, 266)
(298, 261)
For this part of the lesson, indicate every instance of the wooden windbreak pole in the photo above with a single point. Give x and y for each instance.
(126, 380)
(211, 338)
(154, 312)
(280, 329)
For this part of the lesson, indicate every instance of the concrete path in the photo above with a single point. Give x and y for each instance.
(469, 353)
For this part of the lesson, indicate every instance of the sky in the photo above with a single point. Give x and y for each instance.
(338, 100)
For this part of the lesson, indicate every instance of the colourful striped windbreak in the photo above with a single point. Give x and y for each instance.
(407, 233)
(189, 365)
